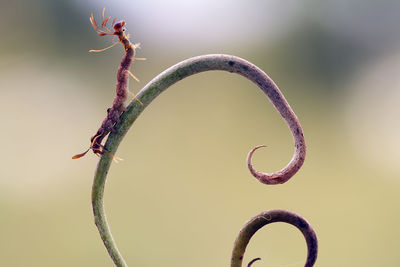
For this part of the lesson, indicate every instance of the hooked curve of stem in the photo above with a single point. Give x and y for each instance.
(160, 83)
(272, 216)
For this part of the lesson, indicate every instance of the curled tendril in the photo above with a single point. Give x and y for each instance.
(157, 86)
(272, 216)
(253, 261)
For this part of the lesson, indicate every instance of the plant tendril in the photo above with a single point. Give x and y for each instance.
(253, 261)
(272, 216)
(161, 83)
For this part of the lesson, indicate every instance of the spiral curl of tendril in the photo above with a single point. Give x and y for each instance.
(273, 216)
(160, 83)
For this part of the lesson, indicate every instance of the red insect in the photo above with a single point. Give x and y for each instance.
(122, 91)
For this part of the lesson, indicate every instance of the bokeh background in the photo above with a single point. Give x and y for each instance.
(183, 191)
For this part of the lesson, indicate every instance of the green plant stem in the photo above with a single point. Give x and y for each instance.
(162, 82)
(272, 216)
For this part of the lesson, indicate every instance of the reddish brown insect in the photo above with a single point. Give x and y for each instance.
(123, 73)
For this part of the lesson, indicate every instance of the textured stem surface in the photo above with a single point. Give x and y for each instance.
(273, 216)
(162, 82)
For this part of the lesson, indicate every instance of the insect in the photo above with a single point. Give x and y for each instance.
(123, 73)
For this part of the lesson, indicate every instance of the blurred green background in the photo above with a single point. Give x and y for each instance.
(183, 191)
